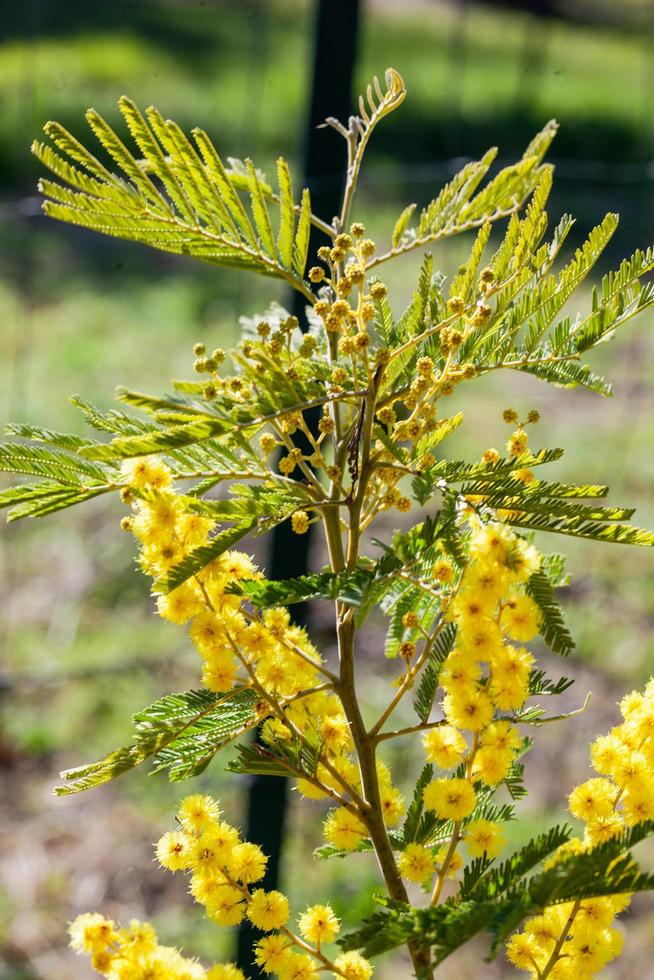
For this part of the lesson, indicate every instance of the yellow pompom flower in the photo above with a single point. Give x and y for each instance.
(442, 571)
(181, 604)
(225, 971)
(484, 837)
(226, 907)
(632, 771)
(267, 910)
(521, 618)
(470, 606)
(300, 522)
(335, 732)
(597, 912)
(605, 753)
(481, 639)
(603, 829)
(517, 442)
(522, 560)
(450, 799)
(247, 863)
(198, 812)
(392, 803)
(344, 830)
(445, 746)
(194, 529)
(299, 966)
(491, 765)
(103, 960)
(416, 863)
(470, 709)
(509, 693)
(486, 581)
(91, 932)
(272, 953)
(205, 887)
(592, 799)
(353, 966)
(459, 671)
(544, 930)
(638, 803)
(146, 472)
(207, 634)
(455, 861)
(212, 851)
(174, 851)
(318, 924)
(523, 950)
(219, 673)
(501, 736)
(138, 940)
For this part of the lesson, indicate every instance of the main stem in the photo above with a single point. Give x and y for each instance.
(366, 752)
(365, 743)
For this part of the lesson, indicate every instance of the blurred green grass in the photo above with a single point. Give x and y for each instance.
(82, 649)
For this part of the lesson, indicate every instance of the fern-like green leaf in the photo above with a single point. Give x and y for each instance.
(428, 686)
(552, 627)
(181, 732)
(347, 587)
(194, 205)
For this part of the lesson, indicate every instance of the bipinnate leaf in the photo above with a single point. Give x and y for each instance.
(497, 901)
(179, 732)
(177, 195)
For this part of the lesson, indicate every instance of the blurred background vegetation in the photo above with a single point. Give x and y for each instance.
(80, 647)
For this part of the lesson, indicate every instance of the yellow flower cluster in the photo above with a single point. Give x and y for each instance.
(236, 647)
(343, 828)
(134, 953)
(575, 940)
(484, 673)
(223, 869)
(623, 792)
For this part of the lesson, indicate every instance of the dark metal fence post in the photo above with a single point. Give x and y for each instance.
(336, 33)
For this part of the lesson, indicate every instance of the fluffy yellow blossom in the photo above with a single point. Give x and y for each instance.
(451, 799)
(455, 861)
(174, 851)
(318, 924)
(354, 966)
(91, 932)
(592, 799)
(501, 736)
(227, 907)
(445, 746)
(273, 952)
(484, 837)
(481, 638)
(491, 765)
(299, 966)
(470, 709)
(247, 863)
(517, 442)
(416, 863)
(523, 950)
(300, 522)
(521, 617)
(442, 571)
(458, 672)
(344, 830)
(225, 971)
(146, 472)
(268, 910)
(198, 812)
